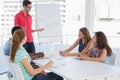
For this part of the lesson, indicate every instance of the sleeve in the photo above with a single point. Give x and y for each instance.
(16, 20)
(22, 55)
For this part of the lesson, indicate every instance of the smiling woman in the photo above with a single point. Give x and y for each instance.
(84, 41)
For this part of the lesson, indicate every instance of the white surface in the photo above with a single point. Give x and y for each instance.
(80, 70)
(48, 16)
(4, 77)
(57, 60)
(17, 73)
(4, 63)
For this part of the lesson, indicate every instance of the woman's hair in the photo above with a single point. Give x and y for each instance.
(26, 2)
(102, 42)
(17, 38)
(86, 34)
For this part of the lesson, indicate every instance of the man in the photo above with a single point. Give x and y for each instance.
(9, 41)
(24, 20)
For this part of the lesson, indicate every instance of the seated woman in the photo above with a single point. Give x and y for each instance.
(100, 50)
(20, 56)
(84, 41)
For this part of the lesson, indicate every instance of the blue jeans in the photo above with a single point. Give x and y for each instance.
(49, 76)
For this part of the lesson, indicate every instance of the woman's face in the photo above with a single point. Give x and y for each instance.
(24, 40)
(81, 36)
(94, 39)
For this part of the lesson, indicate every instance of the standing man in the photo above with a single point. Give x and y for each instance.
(24, 20)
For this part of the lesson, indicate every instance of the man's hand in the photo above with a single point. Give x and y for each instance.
(40, 29)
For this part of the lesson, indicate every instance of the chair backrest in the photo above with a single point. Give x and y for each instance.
(117, 61)
(111, 59)
(117, 52)
(114, 57)
(17, 73)
(7, 75)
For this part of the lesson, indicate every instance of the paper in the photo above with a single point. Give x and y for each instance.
(58, 62)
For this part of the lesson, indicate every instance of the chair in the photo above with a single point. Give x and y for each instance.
(7, 75)
(17, 73)
(111, 59)
(117, 61)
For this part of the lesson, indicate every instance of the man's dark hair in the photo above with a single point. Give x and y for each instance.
(14, 29)
(26, 2)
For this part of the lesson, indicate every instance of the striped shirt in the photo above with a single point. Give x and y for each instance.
(21, 54)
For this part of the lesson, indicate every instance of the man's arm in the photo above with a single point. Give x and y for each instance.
(38, 30)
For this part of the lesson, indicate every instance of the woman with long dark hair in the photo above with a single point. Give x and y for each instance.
(100, 50)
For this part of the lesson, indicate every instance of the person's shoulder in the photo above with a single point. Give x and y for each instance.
(91, 42)
(104, 49)
(20, 51)
(21, 48)
(19, 13)
(9, 41)
(7, 46)
(78, 40)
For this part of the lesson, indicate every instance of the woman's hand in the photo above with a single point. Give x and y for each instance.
(79, 55)
(49, 64)
(84, 57)
(43, 72)
(63, 53)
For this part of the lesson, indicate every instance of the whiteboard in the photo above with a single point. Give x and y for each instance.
(48, 17)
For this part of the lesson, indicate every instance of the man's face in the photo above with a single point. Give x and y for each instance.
(28, 8)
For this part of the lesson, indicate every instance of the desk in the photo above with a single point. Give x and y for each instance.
(83, 70)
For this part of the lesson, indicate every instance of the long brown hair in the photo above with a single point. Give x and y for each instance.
(86, 34)
(17, 38)
(102, 42)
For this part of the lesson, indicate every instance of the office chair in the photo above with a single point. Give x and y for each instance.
(17, 73)
(6, 74)
(111, 60)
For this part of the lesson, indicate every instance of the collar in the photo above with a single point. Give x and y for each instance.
(23, 13)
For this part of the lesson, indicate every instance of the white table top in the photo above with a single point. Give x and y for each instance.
(74, 69)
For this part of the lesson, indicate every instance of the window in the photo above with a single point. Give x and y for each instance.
(107, 19)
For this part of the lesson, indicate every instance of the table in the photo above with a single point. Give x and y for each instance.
(74, 69)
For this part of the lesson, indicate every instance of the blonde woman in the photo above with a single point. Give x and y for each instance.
(84, 41)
